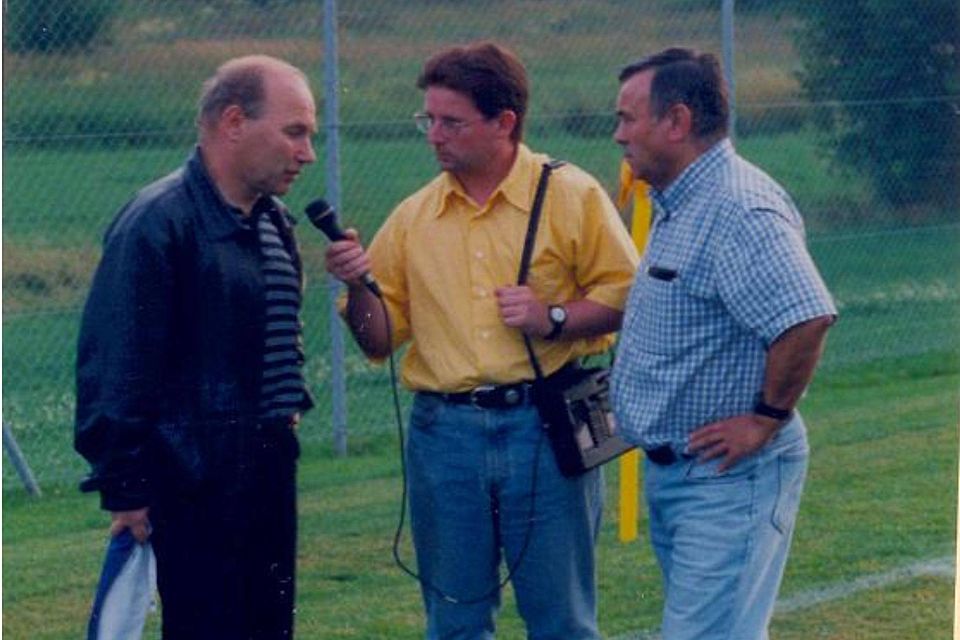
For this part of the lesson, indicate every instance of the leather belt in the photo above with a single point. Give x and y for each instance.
(664, 455)
(492, 396)
(501, 396)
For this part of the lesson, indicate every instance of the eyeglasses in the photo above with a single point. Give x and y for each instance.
(450, 126)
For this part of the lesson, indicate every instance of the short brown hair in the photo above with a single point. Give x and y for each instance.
(241, 82)
(688, 77)
(491, 75)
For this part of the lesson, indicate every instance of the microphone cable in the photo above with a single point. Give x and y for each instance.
(404, 491)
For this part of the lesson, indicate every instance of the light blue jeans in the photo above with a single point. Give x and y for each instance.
(470, 477)
(722, 539)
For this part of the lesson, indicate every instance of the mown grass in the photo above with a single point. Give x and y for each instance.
(881, 494)
(920, 608)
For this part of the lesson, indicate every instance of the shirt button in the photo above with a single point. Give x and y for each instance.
(485, 335)
(479, 255)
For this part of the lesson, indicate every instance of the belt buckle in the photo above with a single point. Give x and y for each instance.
(477, 393)
(514, 395)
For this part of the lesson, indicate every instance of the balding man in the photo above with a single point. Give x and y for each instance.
(189, 367)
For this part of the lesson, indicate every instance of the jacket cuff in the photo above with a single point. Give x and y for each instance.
(119, 495)
(118, 502)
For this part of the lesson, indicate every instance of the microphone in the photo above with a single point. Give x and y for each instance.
(323, 217)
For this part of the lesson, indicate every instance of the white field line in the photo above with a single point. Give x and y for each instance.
(937, 567)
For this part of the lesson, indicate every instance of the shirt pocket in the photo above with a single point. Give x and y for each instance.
(672, 305)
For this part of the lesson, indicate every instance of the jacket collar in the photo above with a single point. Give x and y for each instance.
(221, 219)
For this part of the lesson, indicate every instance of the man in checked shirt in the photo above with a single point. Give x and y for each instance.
(722, 331)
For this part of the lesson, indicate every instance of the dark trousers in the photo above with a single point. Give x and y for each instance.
(226, 550)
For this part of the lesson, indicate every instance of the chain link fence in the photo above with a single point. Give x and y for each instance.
(853, 106)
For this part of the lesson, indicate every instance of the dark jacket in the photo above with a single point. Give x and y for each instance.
(171, 341)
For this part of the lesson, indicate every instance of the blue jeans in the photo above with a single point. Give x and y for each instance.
(722, 539)
(470, 476)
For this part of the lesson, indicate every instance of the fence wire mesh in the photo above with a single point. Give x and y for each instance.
(852, 106)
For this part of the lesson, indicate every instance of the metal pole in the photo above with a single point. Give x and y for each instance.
(331, 120)
(726, 27)
(19, 461)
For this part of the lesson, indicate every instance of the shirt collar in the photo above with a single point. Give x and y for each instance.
(221, 218)
(671, 201)
(517, 188)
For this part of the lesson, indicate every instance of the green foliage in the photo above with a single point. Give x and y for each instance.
(48, 26)
(892, 68)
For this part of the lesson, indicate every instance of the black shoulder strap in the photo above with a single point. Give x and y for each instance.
(528, 243)
(531, 237)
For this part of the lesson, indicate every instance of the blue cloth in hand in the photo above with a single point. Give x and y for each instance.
(126, 590)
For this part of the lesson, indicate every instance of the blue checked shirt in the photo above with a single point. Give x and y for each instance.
(725, 273)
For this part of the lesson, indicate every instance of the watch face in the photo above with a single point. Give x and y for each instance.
(558, 314)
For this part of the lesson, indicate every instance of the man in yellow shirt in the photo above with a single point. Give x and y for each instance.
(483, 483)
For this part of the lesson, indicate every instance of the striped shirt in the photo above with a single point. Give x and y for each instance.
(725, 273)
(282, 391)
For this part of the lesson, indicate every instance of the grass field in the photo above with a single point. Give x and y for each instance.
(882, 414)
(881, 494)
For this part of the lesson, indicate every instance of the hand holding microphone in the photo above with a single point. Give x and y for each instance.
(345, 259)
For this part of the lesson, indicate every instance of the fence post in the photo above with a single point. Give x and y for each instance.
(331, 119)
(726, 27)
(19, 461)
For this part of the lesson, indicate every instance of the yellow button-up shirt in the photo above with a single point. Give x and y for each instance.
(440, 257)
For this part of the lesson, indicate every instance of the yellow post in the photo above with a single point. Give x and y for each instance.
(642, 208)
(630, 462)
(629, 498)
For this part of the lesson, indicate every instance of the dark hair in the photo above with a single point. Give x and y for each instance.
(241, 82)
(491, 75)
(691, 78)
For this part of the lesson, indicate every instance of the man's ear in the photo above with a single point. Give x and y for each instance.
(680, 120)
(507, 122)
(232, 121)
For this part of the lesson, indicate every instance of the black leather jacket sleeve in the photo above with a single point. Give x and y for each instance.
(124, 343)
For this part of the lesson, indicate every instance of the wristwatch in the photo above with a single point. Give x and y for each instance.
(558, 316)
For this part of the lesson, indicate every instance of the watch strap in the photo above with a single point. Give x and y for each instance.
(557, 327)
(761, 408)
